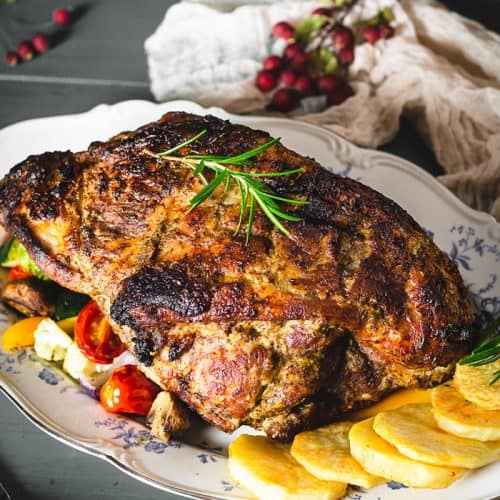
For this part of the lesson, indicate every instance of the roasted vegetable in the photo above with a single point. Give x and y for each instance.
(78, 365)
(91, 376)
(67, 324)
(168, 416)
(20, 334)
(17, 273)
(51, 342)
(30, 296)
(128, 391)
(94, 336)
(14, 254)
(69, 304)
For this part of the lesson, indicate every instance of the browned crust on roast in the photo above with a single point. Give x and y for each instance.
(356, 302)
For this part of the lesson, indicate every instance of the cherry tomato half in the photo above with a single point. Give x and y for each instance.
(94, 336)
(128, 391)
(17, 273)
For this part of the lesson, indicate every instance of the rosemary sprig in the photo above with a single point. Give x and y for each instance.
(252, 191)
(487, 350)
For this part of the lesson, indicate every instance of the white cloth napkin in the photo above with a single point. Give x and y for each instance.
(441, 70)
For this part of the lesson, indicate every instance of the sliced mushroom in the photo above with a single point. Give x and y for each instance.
(30, 296)
(4, 236)
(167, 416)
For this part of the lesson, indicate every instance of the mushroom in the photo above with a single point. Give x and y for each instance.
(4, 236)
(168, 415)
(30, 296)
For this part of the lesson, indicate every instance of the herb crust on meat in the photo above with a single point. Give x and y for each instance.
(282, 333)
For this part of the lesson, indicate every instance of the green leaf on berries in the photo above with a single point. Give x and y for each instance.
(325, 62)
(384, 16)
(308, 28)
(387, 14)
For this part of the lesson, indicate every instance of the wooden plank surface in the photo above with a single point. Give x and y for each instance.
(100, 59)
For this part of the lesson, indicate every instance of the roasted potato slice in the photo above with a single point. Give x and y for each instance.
(325, 453)
(266, 468)
(414, 432)
(379, 457)
(473, 383)
(454, 414)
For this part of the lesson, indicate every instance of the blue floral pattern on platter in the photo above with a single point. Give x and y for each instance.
(214, 455)
(468, 243)
(394, 485)
(130, 436)
(49, 376)
(466, 247)
(226, 486)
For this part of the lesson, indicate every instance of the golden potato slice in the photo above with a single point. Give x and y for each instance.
(325, 453)
(393, 401)
(382, 459)
(266, 468)
(454, 414)
(414, 432)
(472, 382)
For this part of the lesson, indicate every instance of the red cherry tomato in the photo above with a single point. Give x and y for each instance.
(94, 336)
(128, 391)
(17, 273)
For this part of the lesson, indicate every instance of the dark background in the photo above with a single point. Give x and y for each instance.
(100, 59)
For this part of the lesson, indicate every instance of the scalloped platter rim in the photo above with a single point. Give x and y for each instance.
(197, 467)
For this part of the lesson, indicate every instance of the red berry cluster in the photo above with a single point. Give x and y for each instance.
(378, 27)
(315, 59)
(39, 42)
(373, 33)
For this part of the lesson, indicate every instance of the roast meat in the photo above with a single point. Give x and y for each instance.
(282, 333)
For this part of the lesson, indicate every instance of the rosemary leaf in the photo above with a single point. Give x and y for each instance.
(243, 205)
(199, 168)
(238, 159)
(285, 216)
(274, 174)
(252, 191)
(251, 213)
(285, 200)
(488, 349)
(496, 377)
(204, 157)
(206, 191)
(228, 182)
(270, 215)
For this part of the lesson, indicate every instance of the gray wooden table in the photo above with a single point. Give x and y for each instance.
(101, 60)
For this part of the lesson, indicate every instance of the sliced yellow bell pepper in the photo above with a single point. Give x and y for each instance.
(67, 324)
(20, 334)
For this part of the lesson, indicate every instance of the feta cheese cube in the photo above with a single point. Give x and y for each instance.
(51, 342)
